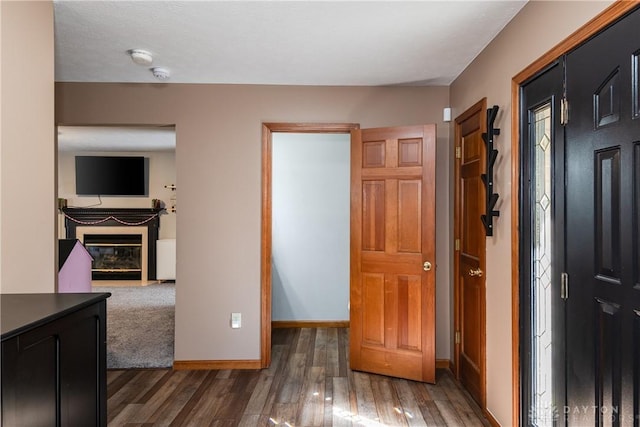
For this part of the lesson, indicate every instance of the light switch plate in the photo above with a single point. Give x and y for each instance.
(236, 320)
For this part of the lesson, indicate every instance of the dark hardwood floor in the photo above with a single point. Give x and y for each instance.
(308, 384)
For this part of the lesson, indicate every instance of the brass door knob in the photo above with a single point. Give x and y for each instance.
(426, 266)
(475, 272)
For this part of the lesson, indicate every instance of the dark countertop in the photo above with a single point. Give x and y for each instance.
(22, 312)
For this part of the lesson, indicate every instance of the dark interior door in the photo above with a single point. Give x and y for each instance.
(602, 220)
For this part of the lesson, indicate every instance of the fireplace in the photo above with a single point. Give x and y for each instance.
(119, 252)
(115, 256)
(122, 242)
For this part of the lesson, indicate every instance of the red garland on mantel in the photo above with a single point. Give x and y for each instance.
(111, 217)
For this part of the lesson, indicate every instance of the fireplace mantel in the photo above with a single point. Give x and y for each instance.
(98, 214)
(111, 217)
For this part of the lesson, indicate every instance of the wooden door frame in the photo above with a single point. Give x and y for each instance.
(478, 107)
(614, 12)
(266, 233)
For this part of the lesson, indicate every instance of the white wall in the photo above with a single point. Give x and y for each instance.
(310, 240)
(27, 157)
(162, 171)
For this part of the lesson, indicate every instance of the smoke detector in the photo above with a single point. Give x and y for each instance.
(160, 73)
(141, 57)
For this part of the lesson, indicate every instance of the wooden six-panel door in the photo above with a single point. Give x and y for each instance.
(393, 252)
(469, 255)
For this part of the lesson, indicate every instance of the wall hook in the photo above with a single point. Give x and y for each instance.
(487, 178)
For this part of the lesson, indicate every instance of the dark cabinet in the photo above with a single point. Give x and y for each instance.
(53, 359)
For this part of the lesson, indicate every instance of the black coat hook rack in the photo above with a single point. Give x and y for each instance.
(487, 178)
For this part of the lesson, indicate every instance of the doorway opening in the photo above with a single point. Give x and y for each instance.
(267, 232)
(310, 228)
(141, 310)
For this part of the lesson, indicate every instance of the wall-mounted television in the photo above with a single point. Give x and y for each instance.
(112, 176)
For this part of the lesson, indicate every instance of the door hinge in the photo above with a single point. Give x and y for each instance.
(457, 244)
(457, 337)
(458, 153)
(564, 111)
(564, 286)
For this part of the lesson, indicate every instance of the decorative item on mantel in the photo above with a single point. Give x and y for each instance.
(62, 203)
(487, 178)
(157, 204)
(173, 197)
(102, 216)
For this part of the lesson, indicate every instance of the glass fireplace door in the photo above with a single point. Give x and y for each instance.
(115, 257)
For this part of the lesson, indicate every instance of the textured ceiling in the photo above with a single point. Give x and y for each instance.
(276, 42)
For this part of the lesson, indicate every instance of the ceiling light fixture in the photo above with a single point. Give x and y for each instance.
(160, 73)
(141, 57)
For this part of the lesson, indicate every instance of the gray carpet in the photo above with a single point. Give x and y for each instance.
(140, 326)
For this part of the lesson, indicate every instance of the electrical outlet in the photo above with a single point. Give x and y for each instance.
(236, 320)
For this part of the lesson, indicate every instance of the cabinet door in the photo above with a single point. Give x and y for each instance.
(82, 369)
(29, 385)
(55, 374)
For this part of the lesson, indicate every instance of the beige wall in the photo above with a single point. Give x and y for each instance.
(218, 167)
(535, 30)
(27, 157)
(218, 171)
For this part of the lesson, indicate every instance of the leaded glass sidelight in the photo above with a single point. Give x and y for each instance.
(542, 379)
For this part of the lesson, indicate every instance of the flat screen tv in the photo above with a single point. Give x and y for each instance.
(111, 176)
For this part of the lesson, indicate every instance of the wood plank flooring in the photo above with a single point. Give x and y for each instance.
(308, 384)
